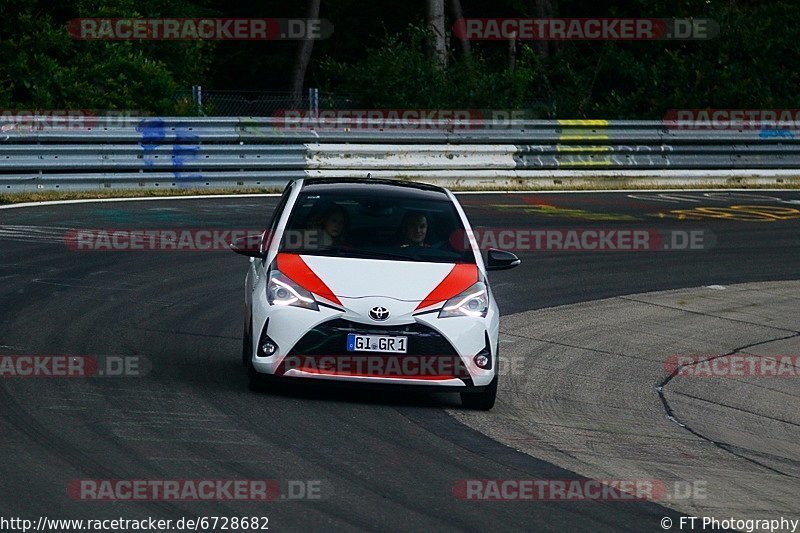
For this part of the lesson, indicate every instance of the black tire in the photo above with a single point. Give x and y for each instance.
(247, 346)
(255, 382)
(480, 401)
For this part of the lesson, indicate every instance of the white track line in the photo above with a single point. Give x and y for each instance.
(275, 195)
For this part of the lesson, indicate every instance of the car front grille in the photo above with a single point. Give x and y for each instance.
(323, 350)
(330, 338)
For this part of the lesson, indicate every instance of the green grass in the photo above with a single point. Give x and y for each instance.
(23, 197)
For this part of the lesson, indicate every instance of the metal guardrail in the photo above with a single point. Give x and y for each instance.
(266, 152)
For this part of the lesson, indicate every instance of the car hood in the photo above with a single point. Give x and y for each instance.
(361, 278)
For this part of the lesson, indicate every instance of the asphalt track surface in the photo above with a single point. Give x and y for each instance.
(384, 461)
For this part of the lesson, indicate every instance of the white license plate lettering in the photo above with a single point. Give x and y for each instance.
(376, 343)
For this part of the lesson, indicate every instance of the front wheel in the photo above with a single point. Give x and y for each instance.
(481, 401)
(255, 381)
(247, 346)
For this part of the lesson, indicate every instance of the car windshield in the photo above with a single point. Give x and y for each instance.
(369, 226)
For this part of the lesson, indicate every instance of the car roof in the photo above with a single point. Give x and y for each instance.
(381, 187)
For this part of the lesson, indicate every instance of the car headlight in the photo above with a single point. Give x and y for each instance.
(472, 302)
(283, 291)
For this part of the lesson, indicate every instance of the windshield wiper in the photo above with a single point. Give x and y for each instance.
(379, 255)
(376, 254)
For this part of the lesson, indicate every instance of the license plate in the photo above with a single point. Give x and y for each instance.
(376, 343)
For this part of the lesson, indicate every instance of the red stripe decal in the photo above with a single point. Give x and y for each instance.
(297, 270)
(462, 277)
(326, 372)
(407, 366)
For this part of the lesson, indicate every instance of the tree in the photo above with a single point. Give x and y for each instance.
(546, 9)
(43, 67)
(458, 14)
(304, 49)
(436, 25)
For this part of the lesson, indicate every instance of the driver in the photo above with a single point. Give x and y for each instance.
(330, 226)
(414, 230)
(333, 226)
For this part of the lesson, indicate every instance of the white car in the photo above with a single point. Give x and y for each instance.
(372, 281)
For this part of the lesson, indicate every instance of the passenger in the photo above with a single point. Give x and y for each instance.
(333, 227)
(414, 230)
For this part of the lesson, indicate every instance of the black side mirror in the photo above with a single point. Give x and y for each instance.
(501, 260)
(248, 247)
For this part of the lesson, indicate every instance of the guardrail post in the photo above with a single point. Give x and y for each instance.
(197, 98)
(313, 101)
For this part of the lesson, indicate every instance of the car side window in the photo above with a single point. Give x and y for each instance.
(276, 216)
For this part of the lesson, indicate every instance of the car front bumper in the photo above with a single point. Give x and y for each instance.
(440, 352)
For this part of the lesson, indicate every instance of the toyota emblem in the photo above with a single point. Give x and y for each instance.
(379, 313)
